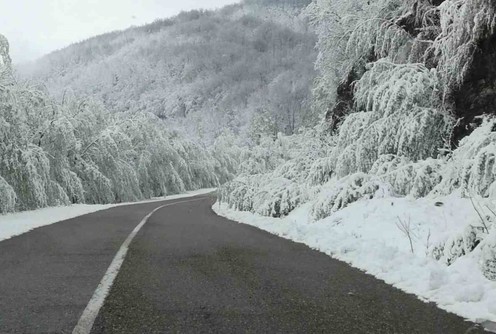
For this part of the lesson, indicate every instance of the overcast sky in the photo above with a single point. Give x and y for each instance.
(37, 27)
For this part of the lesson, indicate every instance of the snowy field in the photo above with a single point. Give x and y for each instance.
(19, 223)
(372, 235)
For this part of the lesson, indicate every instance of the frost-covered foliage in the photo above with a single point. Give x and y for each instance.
(203, 70)
(279, 174)
(7, 196)
(463, 25)
(478, 236)
(444, 36)
(338, 194)
(471, 167)
(79, 152)
(352, 33)
(488, 258)
(389, 75)
(249, 193)
(460, 244)
(401, 101)
(416, 179)
(272, 153)
(396, 103)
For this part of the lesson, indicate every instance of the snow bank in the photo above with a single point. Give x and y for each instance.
(367, 235)
(19, 223)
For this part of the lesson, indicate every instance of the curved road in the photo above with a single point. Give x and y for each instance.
(190, 271)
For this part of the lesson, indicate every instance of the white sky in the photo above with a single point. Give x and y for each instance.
(37, 27)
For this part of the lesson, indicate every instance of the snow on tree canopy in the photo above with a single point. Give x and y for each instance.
(391, 74)
(205, 71)
(77, 151)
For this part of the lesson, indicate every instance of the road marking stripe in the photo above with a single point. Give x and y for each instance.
(85, 323)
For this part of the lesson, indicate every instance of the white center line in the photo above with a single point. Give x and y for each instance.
(85, 323)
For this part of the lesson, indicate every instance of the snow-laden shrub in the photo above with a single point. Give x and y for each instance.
(107, 154)
(57, 195)
(239, 193)
(321, 171)
(399, 118)
(488, 256)
(28, 172)
(58, 139)
(379, 33)
(406, 119)
(201, 165)
(270, 153)
(463, 25)
(471, 167)
(350, 31)
(295, 170)
(264, 194)
(97, 187)
(264, 157)
(350, 133)
(279, 198)
(416, 179)
(287, 184)
(462, 244)
(226, 153)
(7, 197)
(338, 194)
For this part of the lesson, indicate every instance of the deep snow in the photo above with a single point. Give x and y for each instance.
(366, 235)
(18, 223)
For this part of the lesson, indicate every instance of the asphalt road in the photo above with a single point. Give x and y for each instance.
(190, 271)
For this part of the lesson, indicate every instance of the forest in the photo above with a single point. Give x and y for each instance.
(152, 110)
(206, 72)
(79, 151)
(406, 90)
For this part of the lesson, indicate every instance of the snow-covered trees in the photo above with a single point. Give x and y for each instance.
(398, 67)
(471, 167)
(24, 166)
(408, 90)
(389, 72)
(463, 26)
(279, 174)
(452, 38)
(80, 152)
(7, 196)
(203, 70)
(127, 100)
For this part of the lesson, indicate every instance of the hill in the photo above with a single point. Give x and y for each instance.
(247, 68)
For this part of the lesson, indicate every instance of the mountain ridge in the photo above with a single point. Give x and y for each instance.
(198, 69)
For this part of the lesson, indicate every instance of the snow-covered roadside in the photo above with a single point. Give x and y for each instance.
(366, 235)
(21, 222)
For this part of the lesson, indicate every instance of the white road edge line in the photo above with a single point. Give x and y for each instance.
(85, 323)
